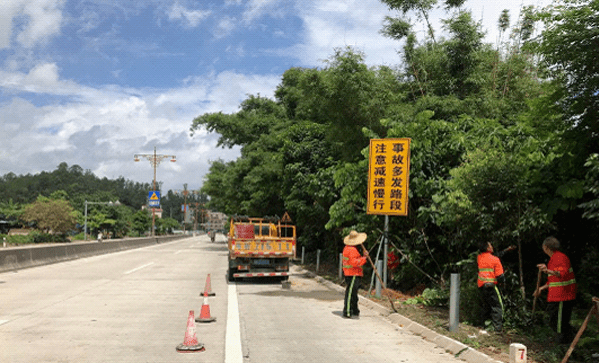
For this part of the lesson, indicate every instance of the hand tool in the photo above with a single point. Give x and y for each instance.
(380, 279)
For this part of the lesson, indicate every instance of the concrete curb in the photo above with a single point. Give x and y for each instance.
(460, 350)
(17, 258)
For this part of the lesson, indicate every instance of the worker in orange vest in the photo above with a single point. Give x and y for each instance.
(490, 274)
(352, 262)
(562, 289)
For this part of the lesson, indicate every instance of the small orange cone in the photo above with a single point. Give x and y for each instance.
(207, 289)
(190, 342)
(205, 312)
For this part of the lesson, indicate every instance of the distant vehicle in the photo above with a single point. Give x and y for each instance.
(260, 247)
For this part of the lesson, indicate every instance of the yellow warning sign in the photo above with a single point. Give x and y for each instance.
(286, 218)
(154, 196)
(389, 163)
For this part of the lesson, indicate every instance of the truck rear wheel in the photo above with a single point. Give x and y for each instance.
(230, 277)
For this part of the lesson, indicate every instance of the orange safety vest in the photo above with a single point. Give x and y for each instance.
(352, 261)
(489, 268)
(563, 287)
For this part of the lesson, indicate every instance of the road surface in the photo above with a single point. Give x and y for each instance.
(133, 306)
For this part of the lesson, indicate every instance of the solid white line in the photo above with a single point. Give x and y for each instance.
(4, 321)
(233, 338)
(137, 268)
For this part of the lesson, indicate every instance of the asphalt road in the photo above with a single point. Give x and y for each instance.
(133, 306)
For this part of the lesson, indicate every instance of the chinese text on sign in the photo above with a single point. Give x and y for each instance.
(389, 163)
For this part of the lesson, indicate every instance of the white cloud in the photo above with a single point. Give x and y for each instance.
(191, 18)
(330, 24)
(258, 8)
(8, 10)
(101, 128)
(46, 118)
(488, 13)
(42, 79)
(44, 74)
(238, 50)
(89, 20)
(225, 27)
(43, 21)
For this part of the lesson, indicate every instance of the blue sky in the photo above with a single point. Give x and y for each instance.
(93, 82)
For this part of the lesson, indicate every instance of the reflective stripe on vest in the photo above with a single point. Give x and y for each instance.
(562, 283)
(484, 271)
(346, 259)
(347, 267)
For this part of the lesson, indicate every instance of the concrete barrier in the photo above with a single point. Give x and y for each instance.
(16, 258)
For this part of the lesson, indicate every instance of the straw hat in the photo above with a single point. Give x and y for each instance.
(355, 238)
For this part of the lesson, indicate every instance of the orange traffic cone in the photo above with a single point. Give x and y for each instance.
(207, 289)
(190, 342)
(205, 312)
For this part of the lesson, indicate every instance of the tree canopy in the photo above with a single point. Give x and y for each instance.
(504, 143)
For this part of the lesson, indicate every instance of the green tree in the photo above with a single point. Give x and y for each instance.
(345, 96)
(50, 215)
(254, 180)
(166, 225)
(141, 222)
(459, 95)
(308, 189)
(10, 210)
(569, 49)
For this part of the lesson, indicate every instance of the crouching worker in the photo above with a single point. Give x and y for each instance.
(352, 264)
(490, 274)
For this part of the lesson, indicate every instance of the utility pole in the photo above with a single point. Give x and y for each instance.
(185, 193)
(185, 207)
(154, 161)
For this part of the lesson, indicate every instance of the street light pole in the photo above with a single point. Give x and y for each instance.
(154, 161)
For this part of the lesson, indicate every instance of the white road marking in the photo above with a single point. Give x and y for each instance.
(4, 321)
(233, 338)
(138, 268)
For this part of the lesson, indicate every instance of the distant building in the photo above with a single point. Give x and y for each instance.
(19, 231)
(157, 211)
(188, 213)
(215, 221)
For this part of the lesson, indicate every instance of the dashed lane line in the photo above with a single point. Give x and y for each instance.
(138, 268)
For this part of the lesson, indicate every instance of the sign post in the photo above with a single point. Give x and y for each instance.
(387, 192)
(153, 202)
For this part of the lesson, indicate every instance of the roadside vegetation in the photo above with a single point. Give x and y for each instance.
(50, 207)
(504, 148)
